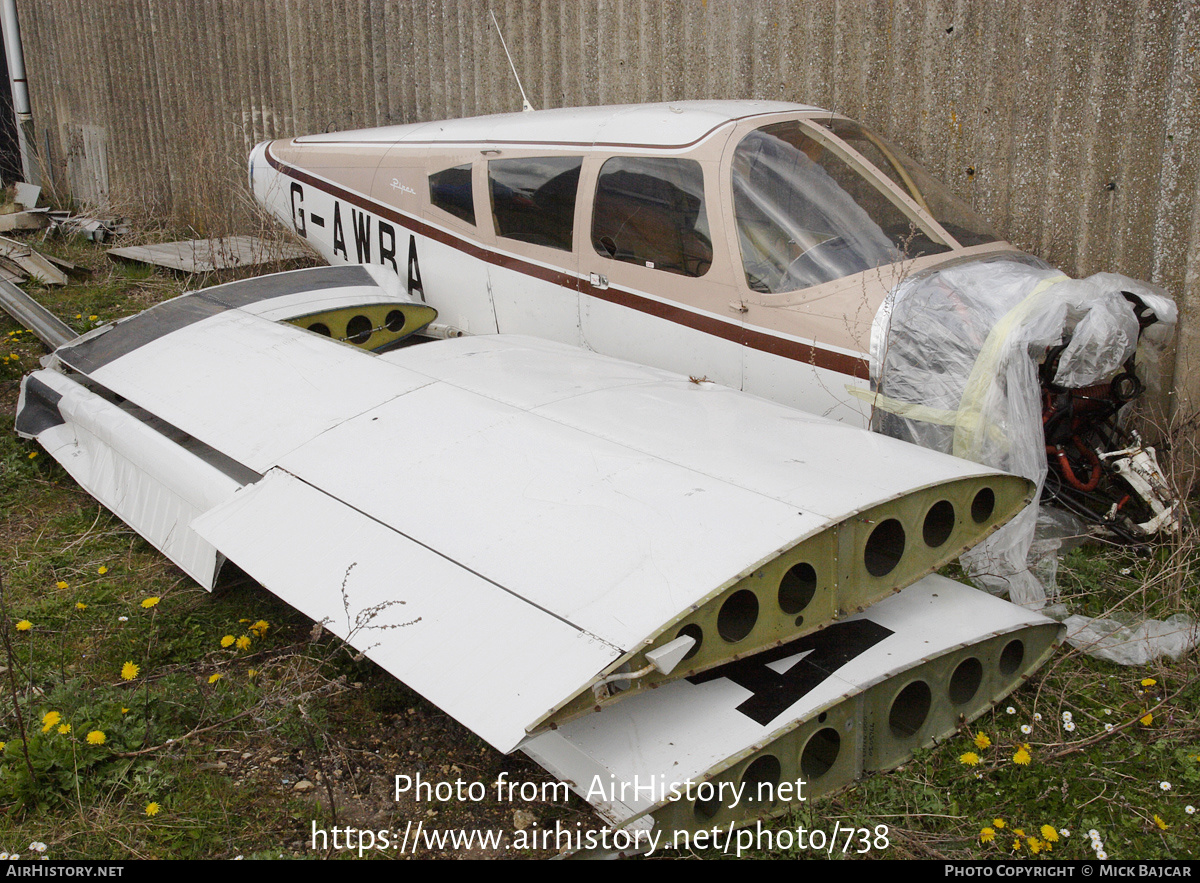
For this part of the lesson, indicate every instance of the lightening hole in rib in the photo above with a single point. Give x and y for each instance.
(983, 505)
(965, 681)
(820, 753)
(1011, 657)
(320, 328)
(738, 615)
(358, 330)
(797, 587)
(394, 321)
(885, 546)
(696, 633)
(706, 809)
(909, 709)
(939, 523)
(764, 770)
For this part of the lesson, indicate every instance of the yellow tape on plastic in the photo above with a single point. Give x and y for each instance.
(970, 428)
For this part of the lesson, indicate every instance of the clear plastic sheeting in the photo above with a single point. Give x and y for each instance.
(955, 360)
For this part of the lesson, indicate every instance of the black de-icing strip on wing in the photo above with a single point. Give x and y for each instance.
(129, 334)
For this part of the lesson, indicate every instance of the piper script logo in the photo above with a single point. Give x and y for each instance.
(396, 185)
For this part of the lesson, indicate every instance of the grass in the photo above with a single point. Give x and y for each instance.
(241, 750)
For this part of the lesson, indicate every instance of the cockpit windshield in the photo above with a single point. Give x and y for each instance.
(805, 215)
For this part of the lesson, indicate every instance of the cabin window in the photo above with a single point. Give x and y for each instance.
(650, 211)
(533, 199)
(805, 216)
(450, 190)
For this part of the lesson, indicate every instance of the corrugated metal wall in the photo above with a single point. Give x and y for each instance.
(1072, 125)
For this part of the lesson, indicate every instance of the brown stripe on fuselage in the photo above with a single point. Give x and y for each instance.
(762, 341)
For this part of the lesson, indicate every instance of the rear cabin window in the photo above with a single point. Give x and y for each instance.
(533, 199)
(650, 211)
(450, 190)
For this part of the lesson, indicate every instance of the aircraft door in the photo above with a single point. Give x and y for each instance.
(654, 288)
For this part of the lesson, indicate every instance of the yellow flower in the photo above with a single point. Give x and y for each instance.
(33, 455)
(213, 678)
(1016, 846)
(1161, 824)
(24, 625)
(102, 569)
(1148, 682)
(259, 628)
(64, 729)
(1035, 845)
(149, 602)
(1020, 832)
(1049, 834)
(970, 758)
(998, 823)
(129, 671)
(2, 744)
(982, 741)
(96, 737)
(243, 643)
(50, 721)
(252, 673)
(152, 809)
(987, 835)
(227, 641)
(62, 584)
(1022, 756)
(79, 605)
(93, 318)
(1147, 720)
(124, 711)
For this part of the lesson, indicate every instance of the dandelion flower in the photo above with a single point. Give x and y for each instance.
(243, 643)
(1035, 845)
(252, 672)
(149, 602)
(1049, 834)
(1159, 821)
(93, 318)
(982, 741)
(64, 729)
(1165, 786)
(227, 641)
(998, 823)
(1022, 756)
(124, 710)
(79, 605)
(1016, 846)
(259, 628)
(129, 671)
(1149, 682)
(152, 809)
(987, 835)
(50, 721)
(96, 737)
(213, 678)
(62, 584)
(1069, 726)
(24, 625)
(1148, 719)
(102, 569)
(1026, 729)
(33, 455)
(970, 758)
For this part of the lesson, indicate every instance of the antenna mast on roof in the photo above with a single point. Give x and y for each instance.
(525, 105)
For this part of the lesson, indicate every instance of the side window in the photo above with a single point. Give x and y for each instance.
(450, 190)
(533, 199)
(650, 211)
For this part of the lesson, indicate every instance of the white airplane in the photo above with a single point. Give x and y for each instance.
(533, 536)
(760, 245)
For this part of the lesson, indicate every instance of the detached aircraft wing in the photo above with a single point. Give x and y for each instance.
(522, 531)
